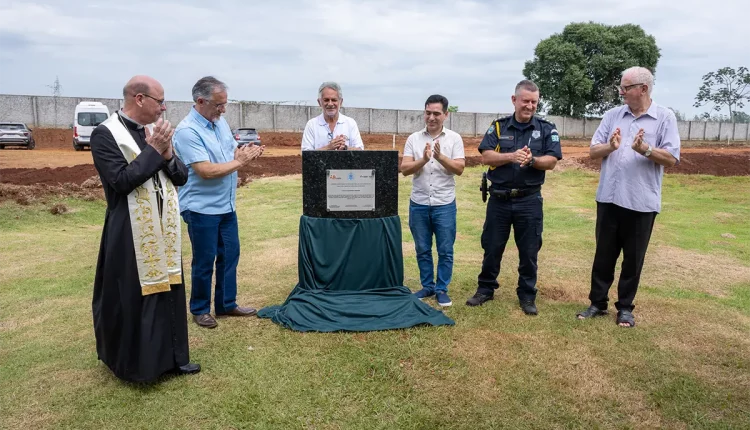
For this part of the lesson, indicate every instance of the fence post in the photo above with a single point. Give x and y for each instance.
(273, 116)
(34, 111)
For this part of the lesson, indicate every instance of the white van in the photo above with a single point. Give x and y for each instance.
(87, 116)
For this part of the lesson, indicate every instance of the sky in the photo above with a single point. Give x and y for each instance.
(385, 54)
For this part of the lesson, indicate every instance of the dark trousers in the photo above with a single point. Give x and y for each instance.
(215, 240)
(525, 215)
(619, 229)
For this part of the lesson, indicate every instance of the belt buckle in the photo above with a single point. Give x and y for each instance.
(514, 192)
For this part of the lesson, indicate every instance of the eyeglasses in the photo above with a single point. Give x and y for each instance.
(161, 102)
(626, 88)
(217, 105)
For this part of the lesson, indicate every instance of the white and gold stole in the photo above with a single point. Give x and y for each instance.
(156, 240)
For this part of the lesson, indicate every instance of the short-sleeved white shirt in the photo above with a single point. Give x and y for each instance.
(433, 185)
(317, 133)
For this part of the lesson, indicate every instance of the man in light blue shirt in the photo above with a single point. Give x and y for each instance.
(635, 141)
(206, 145)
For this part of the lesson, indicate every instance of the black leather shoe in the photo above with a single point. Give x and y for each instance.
(528, 307)
(478, 299)
(188, 369)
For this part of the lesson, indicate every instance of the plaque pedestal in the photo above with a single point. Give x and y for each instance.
(350, 260)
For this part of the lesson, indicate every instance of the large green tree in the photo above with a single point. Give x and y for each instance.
(577, 70)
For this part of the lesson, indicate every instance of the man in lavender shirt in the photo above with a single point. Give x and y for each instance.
(635, 142)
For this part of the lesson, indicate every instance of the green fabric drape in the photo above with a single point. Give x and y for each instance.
(351, 276)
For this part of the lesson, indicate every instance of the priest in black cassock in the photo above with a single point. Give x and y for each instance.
(140, 318)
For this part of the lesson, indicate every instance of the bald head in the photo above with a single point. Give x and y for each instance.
(144, 99)
(140, 84)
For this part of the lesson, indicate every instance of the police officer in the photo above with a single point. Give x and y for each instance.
(518, 149)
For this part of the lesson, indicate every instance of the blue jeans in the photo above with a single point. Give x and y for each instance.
(424, 221)
(214, 238)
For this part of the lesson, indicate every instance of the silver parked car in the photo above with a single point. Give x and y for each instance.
(16, 134)
(246, 136)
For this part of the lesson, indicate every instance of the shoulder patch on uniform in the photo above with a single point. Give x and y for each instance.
(554, 131)
(491, 129)
(555, 137)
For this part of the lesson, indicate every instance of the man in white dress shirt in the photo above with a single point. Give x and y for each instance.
(434, 155)
(331, 130)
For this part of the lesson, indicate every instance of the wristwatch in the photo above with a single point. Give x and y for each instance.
(531, 163)
(648, 152)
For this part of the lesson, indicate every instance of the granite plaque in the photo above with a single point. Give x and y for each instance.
(350, 190)
(317, 167)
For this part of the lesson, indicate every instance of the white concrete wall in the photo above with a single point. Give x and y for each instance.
(45, 111)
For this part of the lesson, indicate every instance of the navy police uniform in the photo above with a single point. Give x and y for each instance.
(515, 200)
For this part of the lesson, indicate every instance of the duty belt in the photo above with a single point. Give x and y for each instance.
(514, 193)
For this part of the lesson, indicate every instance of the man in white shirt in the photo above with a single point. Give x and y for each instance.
(331, 130)
(434, 155)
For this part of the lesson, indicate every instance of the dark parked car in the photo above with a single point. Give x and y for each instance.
(16, 134)
(246, 136)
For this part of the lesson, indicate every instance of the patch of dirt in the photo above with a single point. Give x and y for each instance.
(86, 175)
(702, 163)
(48, 175)
(371, 141)
(556, 294)
(42, 193)
(55, 162)
(59, 209)
(53, 138)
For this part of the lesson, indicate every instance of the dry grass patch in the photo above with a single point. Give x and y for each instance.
(479, 345)
(722, 217)
(20, 322)
(559, 294)
(46, 382)
(574, 368)
(711, 274)
(407, 248)
(265, 268)
(35, 417)
(586, 213)
(568, 164)
(475, 367)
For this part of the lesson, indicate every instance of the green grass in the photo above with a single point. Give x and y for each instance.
(686, 364)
